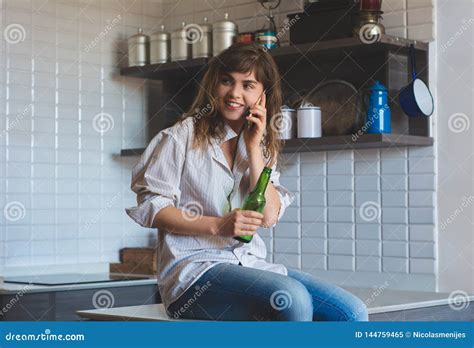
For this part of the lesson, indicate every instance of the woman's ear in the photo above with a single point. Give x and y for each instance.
(263, 99)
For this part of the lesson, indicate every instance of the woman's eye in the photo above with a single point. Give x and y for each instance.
(225, 81)
(248, 86)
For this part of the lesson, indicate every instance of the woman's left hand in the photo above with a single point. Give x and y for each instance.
(253, 133)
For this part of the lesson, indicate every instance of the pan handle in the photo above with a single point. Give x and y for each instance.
(413, 61)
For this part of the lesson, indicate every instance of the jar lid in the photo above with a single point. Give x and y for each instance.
(179, 32)
(225, 24)
(205, 26)
(287, 108)
(160, 35)
(309, 108)
(140, 36)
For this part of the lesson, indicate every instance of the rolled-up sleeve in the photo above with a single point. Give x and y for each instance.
(286, 197)
(156, 178)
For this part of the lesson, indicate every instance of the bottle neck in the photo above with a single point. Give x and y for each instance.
(262, 181)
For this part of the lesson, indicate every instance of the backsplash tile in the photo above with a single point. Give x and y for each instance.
(395, 232)
(312, 262)
(421, 232)
(368, 264)
(396, 249)
(311, 198)
(368, 248)
(422, 266)
(287, 245)
(314, 245)
(340, 182)
(394, 265)
(341, 230)
(286, 229)
(341, 263)
(340, 247)
(313, 229)
(367, 183)
(394, 199)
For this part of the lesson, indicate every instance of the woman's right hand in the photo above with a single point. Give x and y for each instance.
(239, 223)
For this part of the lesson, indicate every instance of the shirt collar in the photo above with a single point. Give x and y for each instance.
(228, 134)
(240, 160)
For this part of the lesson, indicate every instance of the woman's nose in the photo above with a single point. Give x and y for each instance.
(236, 92)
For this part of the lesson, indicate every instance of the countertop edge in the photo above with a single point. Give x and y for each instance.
(27, 288)
(414, 305)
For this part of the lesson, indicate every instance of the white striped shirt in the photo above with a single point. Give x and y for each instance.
(171, 172)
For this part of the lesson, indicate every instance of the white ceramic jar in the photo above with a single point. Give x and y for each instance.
(309, 122)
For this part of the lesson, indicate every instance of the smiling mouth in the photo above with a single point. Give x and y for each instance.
(232, 105)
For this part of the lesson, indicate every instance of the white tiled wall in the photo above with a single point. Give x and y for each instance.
(365, 211)
(409, 18)
(72, 188)
(405, 18)
(62, 186)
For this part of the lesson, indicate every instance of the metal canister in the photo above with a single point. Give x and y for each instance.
(139, 49)
(266, 38)
(160, 47)
(200, 36)
(288, 126)
(223, 33)
(180, 47)
(308, 122)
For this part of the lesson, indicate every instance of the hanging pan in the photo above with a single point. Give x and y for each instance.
(416, 99)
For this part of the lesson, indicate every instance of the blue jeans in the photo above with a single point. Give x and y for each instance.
(233, 292)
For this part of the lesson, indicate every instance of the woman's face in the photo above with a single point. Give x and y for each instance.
(236, 92)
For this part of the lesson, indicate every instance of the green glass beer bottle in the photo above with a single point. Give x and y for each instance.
(256, 199)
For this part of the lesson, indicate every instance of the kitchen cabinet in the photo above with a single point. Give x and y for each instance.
(51, 305)
(304, 66)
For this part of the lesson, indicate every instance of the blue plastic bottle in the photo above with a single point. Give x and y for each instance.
(378, 118)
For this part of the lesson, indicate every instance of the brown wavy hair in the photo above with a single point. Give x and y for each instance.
(242, 58)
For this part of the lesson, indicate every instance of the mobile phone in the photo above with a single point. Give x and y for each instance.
(246, 112)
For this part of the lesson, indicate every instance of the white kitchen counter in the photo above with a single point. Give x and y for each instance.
(397, 300)
(14, 288)
(85, 268)
(152, 312)
(385, 301)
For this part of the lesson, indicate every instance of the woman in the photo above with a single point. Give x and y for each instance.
(190, 182)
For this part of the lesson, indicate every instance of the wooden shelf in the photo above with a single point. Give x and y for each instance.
(367, 61)
(132, 152)
(169, 70)
(365, 141)
(341, 142)
(282, 55)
